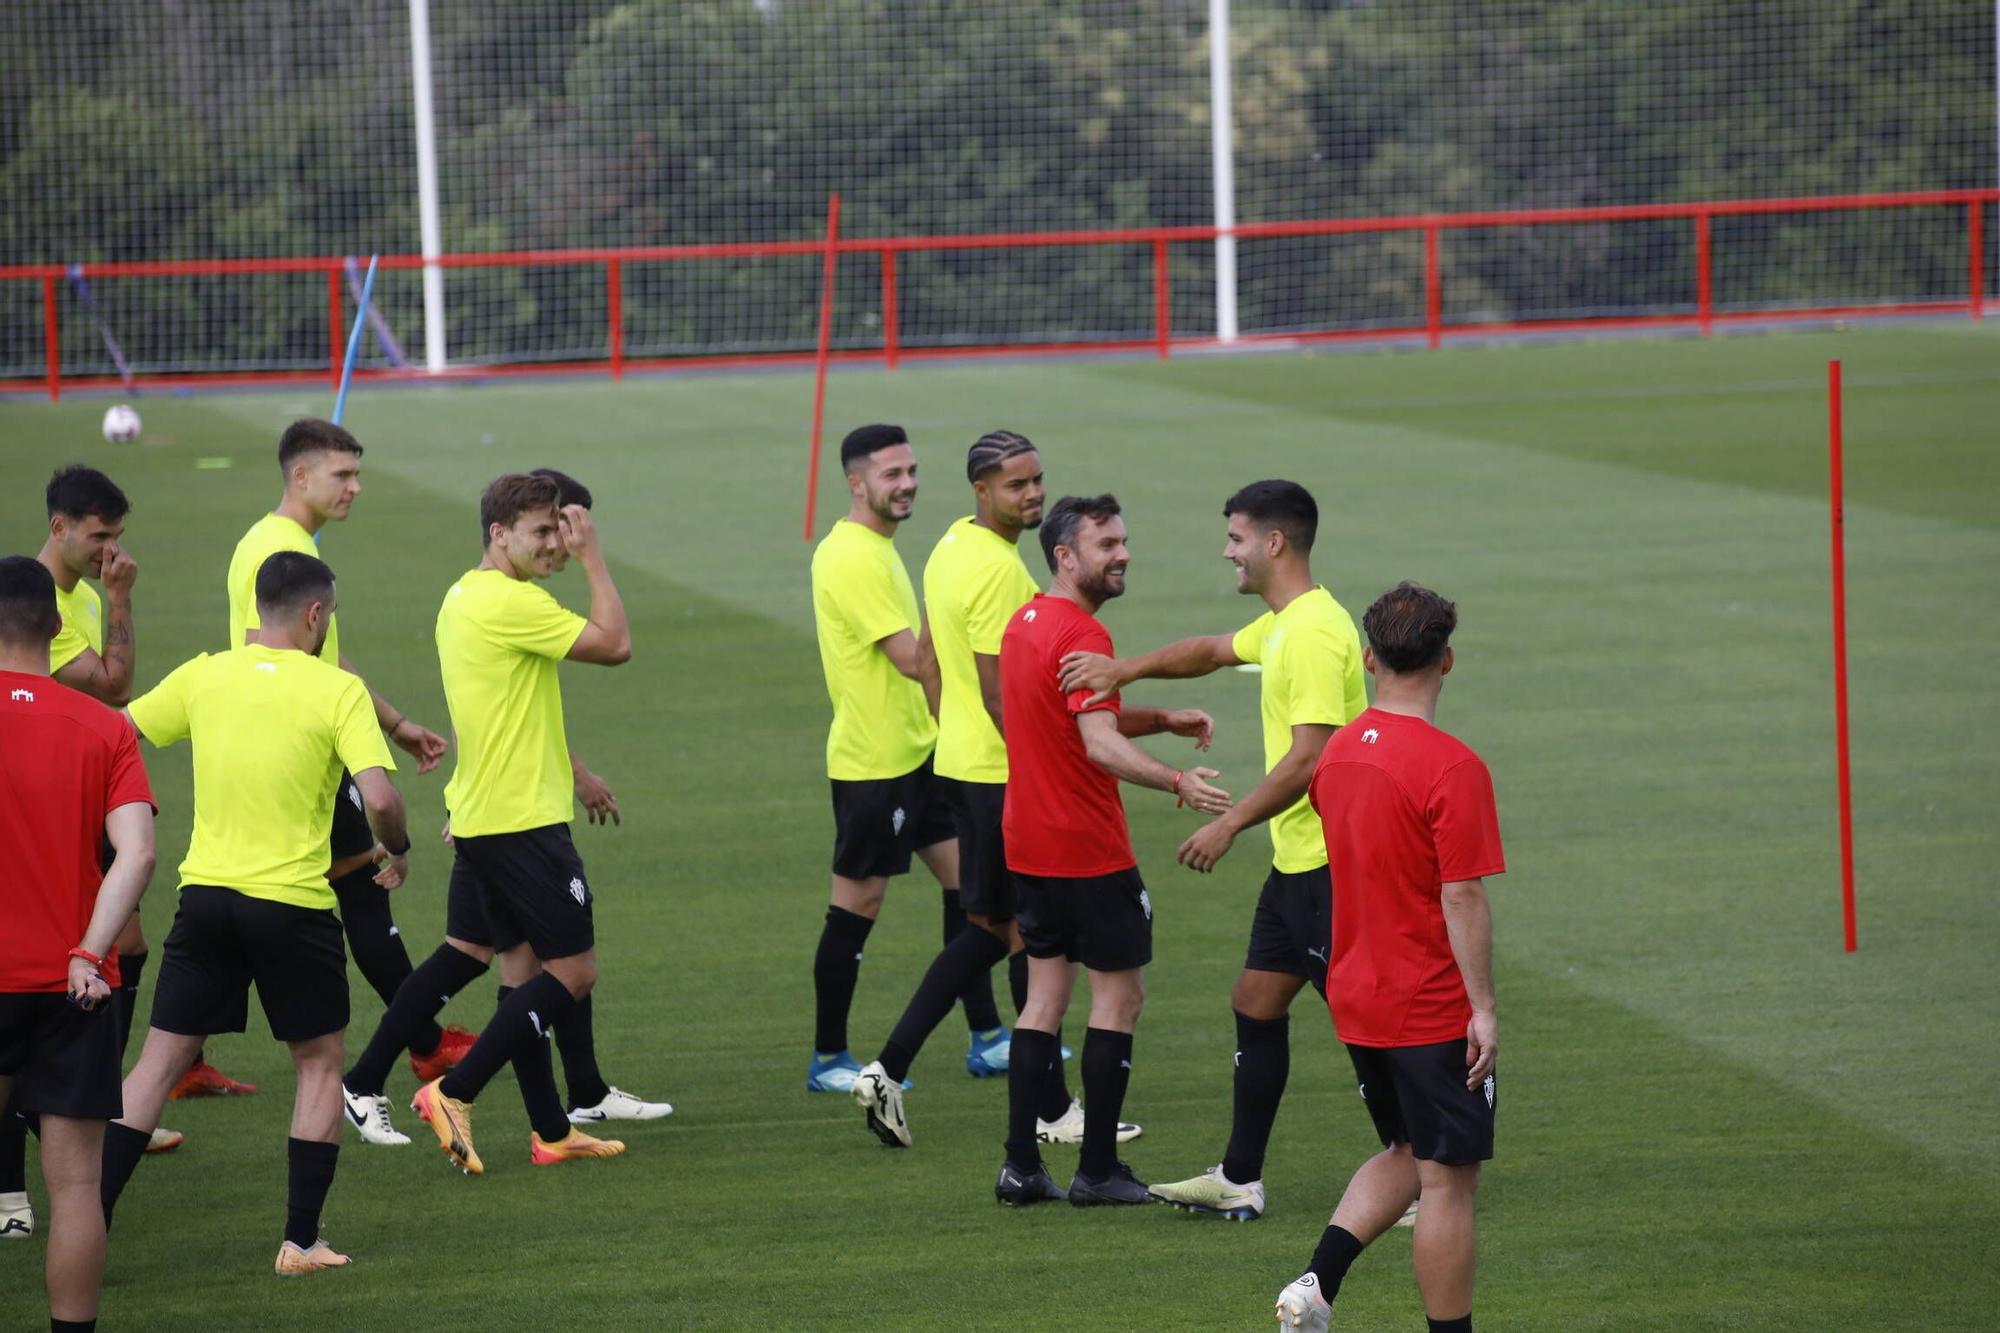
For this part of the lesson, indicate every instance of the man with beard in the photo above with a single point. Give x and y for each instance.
(974, 581)
(1311, 683)
(878, 750)
(1081, 898)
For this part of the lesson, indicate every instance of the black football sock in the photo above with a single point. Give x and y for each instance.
(981, 1014)
(1263, 1063)
(577, 1041)
(377, 946)
(426, 991)
(1107, 1068)
(131, 966)
(1462, 1324)
(13, 1151)
(72, 1325)
(535, 1074)
(124, 1146)
(972, 953)
(1338, 1249)
(1017, 979)
(836, 968)
(1055, 1094)
(525, 1016)
(309, 1176)
(1026, 1069)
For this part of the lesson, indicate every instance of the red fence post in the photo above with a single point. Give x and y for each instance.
(1433, 288)
(1162, 298)
(1975, 235)
(333, 324)
(614, 300)
(1704, 274)
(51, 336)
(891, 331)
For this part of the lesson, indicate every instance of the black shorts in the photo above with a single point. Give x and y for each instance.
(351, 834)
(1104, 922)
(1417, 1095)
(1293, 926)
(222, 941)
(879, 822)
(985, 884)
(62, 1060)
(507, 888)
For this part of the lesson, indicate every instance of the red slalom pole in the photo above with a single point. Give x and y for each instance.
(825, 351)
(1839, 525)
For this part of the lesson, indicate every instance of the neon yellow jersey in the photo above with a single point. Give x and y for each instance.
(974, 582)
(82, 625)
(272, 728)
(1311, 654)
(498, 642)
(267, 536)
(882, 728)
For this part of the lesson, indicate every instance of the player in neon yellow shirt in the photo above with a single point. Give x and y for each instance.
(1311, 683)
(273, 728)
(321, 466)
(878, 750)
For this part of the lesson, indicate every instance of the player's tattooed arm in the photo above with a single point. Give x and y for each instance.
(120, 572)
(1105, 676)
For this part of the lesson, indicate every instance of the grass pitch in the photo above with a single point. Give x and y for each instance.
(1711, 1118)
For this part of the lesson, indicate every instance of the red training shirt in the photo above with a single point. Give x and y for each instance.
(1406, 809)
(1063, 818)
(68, 761)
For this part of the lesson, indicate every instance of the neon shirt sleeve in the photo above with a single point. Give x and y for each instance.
(355, 736)
(533, 622)
(161, 713)
(66, 647)
(1089, 637)
(1465, 826)
(1248, 645)
(869, 605)
(1316, 664)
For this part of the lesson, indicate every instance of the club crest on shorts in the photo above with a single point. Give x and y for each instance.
(896, 820)
(1489, 1092)
(1146, 904)
(576, 891)
(354, 795)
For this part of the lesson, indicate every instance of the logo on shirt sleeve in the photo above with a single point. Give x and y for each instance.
(1370, 736)
(22, 696)
(1028, 617)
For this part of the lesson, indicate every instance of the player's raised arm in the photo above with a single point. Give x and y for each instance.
(607, 638)
(1105, 676)
(1112, 752)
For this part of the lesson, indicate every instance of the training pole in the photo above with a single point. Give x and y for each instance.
(819, 363)
(1839, 524)
(354, 341)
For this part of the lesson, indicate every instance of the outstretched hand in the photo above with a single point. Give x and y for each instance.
(420, 743)
(1194, 723)
(1195, 791)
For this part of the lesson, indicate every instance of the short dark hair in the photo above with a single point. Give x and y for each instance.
(1066, 515)
(510, 496)
(310, 435)
(569, 491)
(865, 441)
(993, 449)
(28, 612)
(1284, 505)
(1409, 627)
(77, 491)
(288, 580)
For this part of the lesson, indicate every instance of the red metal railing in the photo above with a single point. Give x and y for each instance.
(1434, 329)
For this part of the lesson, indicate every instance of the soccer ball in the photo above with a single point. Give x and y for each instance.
(121, 425)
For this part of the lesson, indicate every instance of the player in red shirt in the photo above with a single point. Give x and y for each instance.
(1081, 898)
(1411, 834)
(72, 777)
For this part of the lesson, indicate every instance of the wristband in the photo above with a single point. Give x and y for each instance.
(396, 726)
(1179, 800)
(87, 956)
(404, 850)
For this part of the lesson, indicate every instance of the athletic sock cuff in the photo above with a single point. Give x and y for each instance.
(850, 925)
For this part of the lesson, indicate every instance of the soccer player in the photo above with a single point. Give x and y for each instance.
(462, 959)
(1081, 900)
(321, 466)
(71, 779)
(93, 652)
(1311, 684)
(516, 876)
(1411, 835)
(878, 750)
(974, 581)
(273, 727)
